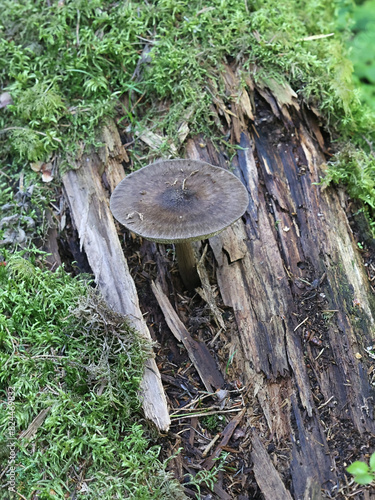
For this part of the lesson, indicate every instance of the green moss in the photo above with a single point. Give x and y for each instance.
(362, 44)
(356, 169)
(63, 351)
(67, 65)
(23, 202)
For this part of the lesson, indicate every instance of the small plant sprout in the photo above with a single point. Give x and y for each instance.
(179, 201)
(208, 478)
(363, 473)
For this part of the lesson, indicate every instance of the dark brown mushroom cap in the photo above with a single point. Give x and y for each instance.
(171, 201)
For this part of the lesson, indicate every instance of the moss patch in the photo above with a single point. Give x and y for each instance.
(70, 64)
(68, 358)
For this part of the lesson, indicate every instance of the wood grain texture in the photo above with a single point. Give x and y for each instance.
(291, 273)
(88, 201)
(266, 474)
(289, 260)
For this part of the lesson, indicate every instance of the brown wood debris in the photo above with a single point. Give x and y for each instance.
(34, 426)
(265, 473)
(197, 351)
(226, 434)
(286, 310)
(290, 261)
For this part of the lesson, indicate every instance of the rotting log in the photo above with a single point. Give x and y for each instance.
(292, 273)
(88, 201)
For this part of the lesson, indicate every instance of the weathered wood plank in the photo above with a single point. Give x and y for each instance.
(88, 201)
(265, 473)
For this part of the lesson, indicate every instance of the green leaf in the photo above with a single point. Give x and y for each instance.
(357, 468)
(372, 462)
(364, 478)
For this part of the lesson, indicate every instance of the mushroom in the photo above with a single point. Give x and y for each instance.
(179, 201)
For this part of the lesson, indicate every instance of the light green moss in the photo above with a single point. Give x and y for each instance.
(67, 65)
(63, 351)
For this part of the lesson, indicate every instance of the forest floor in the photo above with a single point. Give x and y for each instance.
(221, 422)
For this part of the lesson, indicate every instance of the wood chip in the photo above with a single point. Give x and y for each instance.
(155, 141)
(226, 435)
(266, 475)
(34, 426)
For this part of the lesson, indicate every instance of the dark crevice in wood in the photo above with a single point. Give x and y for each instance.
(73, 258)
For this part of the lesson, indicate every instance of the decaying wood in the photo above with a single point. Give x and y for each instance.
(205, 291)
(220, 493)
(291, 273)
(288, 262)
(30, 432)
(50, 245)
(265, 473)
(198, 351)
(225, 437)
(368, 495)
(88, 200)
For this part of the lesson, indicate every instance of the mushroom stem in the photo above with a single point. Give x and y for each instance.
(187, 264)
